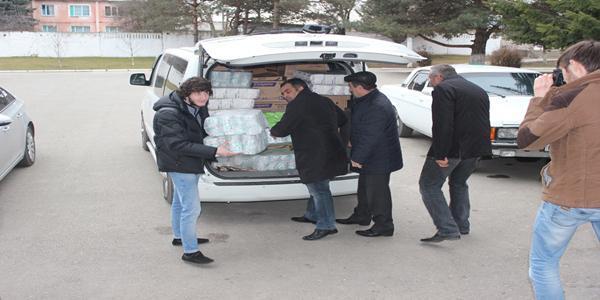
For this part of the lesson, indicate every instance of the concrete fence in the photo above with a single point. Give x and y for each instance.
(51, 44)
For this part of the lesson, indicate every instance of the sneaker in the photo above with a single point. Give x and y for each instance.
(197, 258)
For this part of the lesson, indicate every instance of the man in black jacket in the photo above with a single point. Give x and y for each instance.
(461, 135)
(375, 154)
(313, 121)
(178, 125)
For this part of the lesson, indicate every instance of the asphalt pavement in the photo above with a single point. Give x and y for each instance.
(88, 221)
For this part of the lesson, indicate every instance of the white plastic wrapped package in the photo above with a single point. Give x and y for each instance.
(277, 140)
(231, 79)
(236, 122)
(320, 78)
(331, 89)
(267, 161)
(218, 104)
(245, 144)
(235, 93)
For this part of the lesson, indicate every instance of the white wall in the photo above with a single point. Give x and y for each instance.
(418, 43)
(46, 44)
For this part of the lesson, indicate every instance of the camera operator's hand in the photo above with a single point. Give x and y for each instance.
(223, 150)
(542, 85)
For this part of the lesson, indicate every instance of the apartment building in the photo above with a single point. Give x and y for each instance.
(77, 16)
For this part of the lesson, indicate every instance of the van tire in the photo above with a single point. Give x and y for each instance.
(29, 152)
(145, 138)
(167, 189)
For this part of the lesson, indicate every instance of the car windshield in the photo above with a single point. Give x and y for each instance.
(504, 84)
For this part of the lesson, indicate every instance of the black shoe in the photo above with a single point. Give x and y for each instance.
(303, 219)
(353, 220)
(177, 242)
(440, 238)
(373, 233)
(196, 257)
(319, 234)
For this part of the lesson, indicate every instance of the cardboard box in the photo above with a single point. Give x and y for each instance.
(270, 105)
(269, 89)
(291, 69)
(267, 71)
(340, 100)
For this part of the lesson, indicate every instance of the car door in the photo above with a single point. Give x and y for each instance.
(12, 136)
(418, 102)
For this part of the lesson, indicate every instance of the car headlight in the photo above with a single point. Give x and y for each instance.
(507, 133)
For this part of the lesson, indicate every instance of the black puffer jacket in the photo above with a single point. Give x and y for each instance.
(179, 137)
(374, 134)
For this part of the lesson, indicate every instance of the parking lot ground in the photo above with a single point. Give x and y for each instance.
(87, 221)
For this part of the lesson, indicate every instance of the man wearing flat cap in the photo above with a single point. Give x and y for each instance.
(375, 154)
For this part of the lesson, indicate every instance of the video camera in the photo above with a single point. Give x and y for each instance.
(557, 77)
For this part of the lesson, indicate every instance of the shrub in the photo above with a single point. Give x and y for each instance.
(425, 62)
(507, 57)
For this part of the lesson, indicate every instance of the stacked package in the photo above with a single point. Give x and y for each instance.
(271, 140)
(324, 83)
(270, 160)
(231, 90)
(243, 129)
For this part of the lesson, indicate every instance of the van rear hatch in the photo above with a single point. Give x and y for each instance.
(295, 47)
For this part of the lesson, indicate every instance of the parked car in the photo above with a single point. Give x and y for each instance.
(270, 58)
(17, 143)
(509, 89)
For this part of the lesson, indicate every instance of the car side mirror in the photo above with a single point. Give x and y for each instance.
(138, 79)
(5, 120)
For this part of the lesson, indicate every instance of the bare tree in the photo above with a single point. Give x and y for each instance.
(131, 45)
(57, 43)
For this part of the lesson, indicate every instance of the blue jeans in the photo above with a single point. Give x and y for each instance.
(185, 209)
(454, 218)
(554, 226)
(320, 205)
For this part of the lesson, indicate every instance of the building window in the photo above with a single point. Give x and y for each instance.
(111, 11)
(111, 29)
(47, 10)
(48, 28)
(79, 10)
(80, 28)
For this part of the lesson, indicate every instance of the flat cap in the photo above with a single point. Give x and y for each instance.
(364, 77)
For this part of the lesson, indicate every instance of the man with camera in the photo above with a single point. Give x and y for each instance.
(566, 117)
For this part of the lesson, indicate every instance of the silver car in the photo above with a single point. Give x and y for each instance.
(17, 143)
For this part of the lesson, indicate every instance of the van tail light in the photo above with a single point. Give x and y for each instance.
(493, 133)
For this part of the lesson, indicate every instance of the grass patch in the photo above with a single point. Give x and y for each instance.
(74, 63)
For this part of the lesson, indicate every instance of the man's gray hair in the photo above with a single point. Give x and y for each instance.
(444, 70)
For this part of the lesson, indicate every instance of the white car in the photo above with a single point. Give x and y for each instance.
(509, 90)
(17, 143)
(275, 55)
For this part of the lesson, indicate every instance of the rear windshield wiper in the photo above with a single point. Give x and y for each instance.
(518, 92)
(494, 93)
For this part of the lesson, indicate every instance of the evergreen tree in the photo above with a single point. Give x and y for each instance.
(16, 15)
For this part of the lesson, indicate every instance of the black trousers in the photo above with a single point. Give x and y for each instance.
(375, 200)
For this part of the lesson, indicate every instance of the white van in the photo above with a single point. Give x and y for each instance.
(271, 58)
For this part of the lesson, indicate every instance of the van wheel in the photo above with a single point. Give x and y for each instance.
(145, 138)
(167, 189)
(403, 130)
(29, 155)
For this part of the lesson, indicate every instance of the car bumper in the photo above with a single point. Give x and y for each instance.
(509, 149)
(250, 191)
